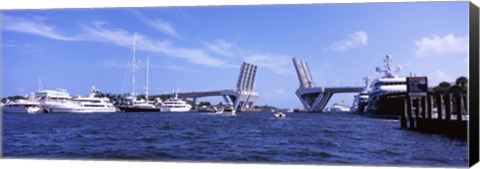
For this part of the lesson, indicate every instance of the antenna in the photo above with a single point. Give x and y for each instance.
(367, 80)
(146, 87)
(133, 63)
(40, 86)
(388, 68)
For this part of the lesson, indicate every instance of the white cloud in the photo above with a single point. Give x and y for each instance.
(436, 45)
(221, 47)
(32, 26)
(279, 64)
(98, 32)
(158, 24)
(123, 38)
(164, 27)
(353, 40)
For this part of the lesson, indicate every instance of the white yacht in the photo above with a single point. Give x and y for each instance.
(360, 100)
(175, 104)
(94, 103)
(387, 92)
(131, 103)
(340, 107)
(59, 100)
(29, 106)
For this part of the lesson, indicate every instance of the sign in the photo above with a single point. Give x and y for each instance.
(417, 86)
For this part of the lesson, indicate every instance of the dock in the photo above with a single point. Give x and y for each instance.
(440, 114)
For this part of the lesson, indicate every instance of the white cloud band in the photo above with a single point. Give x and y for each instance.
(352, 40)
(436, 45)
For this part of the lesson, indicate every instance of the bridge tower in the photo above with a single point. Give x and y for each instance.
(244, 96)
(313, 98)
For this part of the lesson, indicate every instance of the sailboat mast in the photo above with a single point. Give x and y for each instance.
(133, 64)
(148, 70)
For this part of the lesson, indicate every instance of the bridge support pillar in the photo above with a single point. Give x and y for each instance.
(314, 99)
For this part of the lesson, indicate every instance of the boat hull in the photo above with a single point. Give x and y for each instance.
(175, 109)
(74, 108)
(387, 106)
(138, 109)
(22, 109)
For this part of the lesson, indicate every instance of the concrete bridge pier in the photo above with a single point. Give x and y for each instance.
(314, 99)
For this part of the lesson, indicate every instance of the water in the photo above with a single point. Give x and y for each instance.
(301, 138)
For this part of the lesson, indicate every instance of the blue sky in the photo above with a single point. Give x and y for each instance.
(202, 48)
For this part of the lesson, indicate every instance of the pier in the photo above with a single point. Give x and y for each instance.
(313, 98)
(243, 98)
(441, 114)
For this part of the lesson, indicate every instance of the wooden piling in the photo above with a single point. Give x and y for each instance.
(448, 107)
(410, 113)
(404, 114)
(424, 107)
(429, 107)
(458, 106)
(439, 107)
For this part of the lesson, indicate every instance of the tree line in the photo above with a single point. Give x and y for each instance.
(444, 88)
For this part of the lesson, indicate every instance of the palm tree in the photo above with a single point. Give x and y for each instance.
(462, 82)
(459, 90)
(442, 88)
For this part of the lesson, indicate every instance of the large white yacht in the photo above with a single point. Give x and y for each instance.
(387, 92)
(59, 101)
(175, 104)
(360, 100)
(29, 106)
(94, 103)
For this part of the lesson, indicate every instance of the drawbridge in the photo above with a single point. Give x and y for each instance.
(242, 98)
(313, 98)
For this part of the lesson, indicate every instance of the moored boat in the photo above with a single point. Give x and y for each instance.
(29, 106)
(340, 107)
(95, 103)
(132, 103)
(59, 101)
(360, 100)
(387, 92)
(175, 104)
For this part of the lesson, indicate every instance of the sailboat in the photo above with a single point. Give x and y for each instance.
(132, 103)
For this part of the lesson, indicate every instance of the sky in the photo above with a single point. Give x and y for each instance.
(202, 48)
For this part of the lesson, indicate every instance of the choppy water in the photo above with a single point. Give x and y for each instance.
(326, 138)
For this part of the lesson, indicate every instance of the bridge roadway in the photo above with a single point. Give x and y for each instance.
(194, 94)
(239, 99)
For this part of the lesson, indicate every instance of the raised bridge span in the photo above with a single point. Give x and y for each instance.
(313, 98)
(241, 99)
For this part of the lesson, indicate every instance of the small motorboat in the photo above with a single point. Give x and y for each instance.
(280, 115)
(228, 111)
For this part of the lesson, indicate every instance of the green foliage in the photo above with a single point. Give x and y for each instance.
(12, 98)
(460, 87)
(442, 88)
(205, 103)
